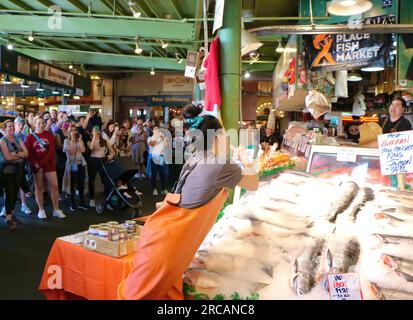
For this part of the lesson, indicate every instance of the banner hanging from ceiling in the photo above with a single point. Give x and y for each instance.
(329, 52)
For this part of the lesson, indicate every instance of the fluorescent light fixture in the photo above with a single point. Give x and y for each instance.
(24, 84)
(352, 76)
(31, 36)
(280, 47)
(76, 97)
(40, 88)
(372, 69)
(66, 93)
(7, 79)
(55, 91)
(164, 45)
(247, 75)
(249, 42)
(152, 72)
(349, 7)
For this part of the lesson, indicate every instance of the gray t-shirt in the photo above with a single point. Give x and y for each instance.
(207, 179)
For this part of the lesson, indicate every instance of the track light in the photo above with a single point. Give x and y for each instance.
(9, 45)
(40, 88)
(179, 57)
(280, 47)
(138, 50)
(24, 84)
(55, 91)
(7, 79)
(135, 13)
(66, 93)
(152, 71)
(164, 45)
(31, 36)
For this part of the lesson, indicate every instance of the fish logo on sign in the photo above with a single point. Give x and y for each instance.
(323, 43)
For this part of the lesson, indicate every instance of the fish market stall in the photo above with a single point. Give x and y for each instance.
(283, 240)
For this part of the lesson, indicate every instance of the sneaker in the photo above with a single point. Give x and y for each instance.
(42, 214)
(25, 209)
(108, 206)
(137, 175)
(92, 203)
(83, 206)
(155, 192)
(72, 207)
(58, 214)
(3, 212)
(165, 192)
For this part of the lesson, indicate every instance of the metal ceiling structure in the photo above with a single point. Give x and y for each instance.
(104, 32)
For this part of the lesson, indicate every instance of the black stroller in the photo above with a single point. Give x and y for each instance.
(120, 172)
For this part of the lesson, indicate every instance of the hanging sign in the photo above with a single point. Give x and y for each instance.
(191, 64)
(23, 65)
(177, 83)
(396, 153)
(347, 51)
(55, 75)
(219, 15)
(345, 286)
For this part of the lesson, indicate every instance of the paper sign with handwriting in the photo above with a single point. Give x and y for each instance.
(345, 286)
(396, 152)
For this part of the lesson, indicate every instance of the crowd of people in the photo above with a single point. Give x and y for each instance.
(64, 154)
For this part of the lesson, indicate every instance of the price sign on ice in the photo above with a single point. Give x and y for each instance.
(345, 286)
(346, 155)
(396, 152)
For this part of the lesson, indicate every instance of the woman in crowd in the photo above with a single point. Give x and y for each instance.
(99, 152)
(75, 168)
(111, 134)
(138, 150)
(29, 126)
(13, 152)
(42, 160)
(61, 134)
(157, 148)
(124, 147)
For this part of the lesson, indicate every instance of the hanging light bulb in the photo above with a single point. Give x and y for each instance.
(138, 50)
(31, 36)
(349, 7)
(164, 45)
(152, 71)
(9, 45)
(24, 84)
(71, 66)
(7, 79)
(280, 47)
(247, 75)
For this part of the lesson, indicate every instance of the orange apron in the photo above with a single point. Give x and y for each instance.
(166, 247)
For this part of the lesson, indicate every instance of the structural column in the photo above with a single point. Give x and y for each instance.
(230, 64)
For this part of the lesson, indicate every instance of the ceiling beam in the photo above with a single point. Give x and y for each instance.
(118, 9)
(46, 3)
(103, 59)
(79, 5)
(173, 6)
(107, 27)
(152, 7)
(22, 5)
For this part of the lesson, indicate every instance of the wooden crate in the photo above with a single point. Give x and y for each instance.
(116, 249)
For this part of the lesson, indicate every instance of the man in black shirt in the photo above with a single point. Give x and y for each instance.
(269, 138)
(395, 122)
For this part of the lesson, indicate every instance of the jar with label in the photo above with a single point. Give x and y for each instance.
(104, 233)
(131, 226)
(114, 236)
(115, 223)
(122, 231)
(94, 230)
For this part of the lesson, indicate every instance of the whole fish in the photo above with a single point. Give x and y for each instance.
(394, 239)
(387, 217)
(234, 267)
(305, 268)
(403, 267)
(364, 195)
(381, 293)
(348, 191)
(205, 281)
(339, 258)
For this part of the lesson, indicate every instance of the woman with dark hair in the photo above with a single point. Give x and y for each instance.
(139, 139)
(42, 160)
(13, 152)
(173, 234)
(111, 134)
(99, 152)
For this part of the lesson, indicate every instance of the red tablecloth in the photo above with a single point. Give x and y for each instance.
(84, 274)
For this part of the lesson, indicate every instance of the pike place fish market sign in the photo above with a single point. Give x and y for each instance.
(396, 153)
(346, 51)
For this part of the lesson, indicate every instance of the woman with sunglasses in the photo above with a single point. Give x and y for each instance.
(42, 160)
(13, 152)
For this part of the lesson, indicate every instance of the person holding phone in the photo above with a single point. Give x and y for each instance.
(157, 149)
(13, 152)
(100, 151)
(42, 160)
(75, 169)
